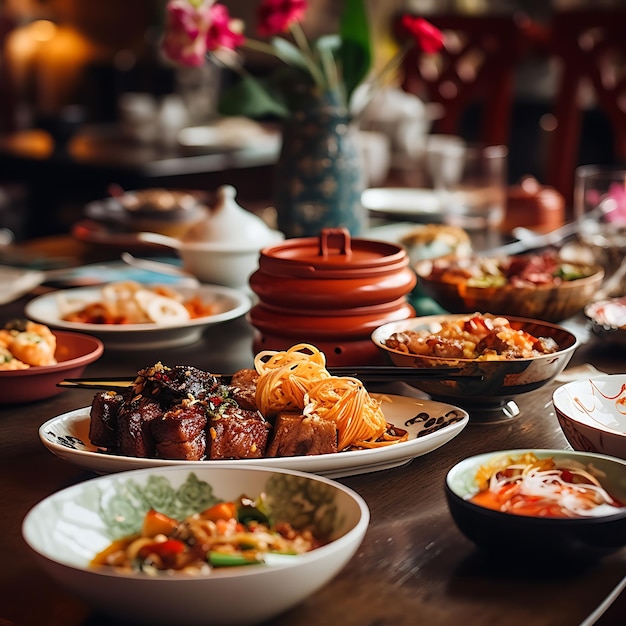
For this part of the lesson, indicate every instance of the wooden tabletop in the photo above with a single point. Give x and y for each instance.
(414, 565)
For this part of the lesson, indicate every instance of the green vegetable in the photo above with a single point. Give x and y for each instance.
(222, 559)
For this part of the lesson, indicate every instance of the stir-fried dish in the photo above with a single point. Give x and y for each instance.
(543, 488)
(226, 534)
(484, 337)
(24, 344)
(527, 270)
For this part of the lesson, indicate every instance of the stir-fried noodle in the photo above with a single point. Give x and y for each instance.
(297, 380)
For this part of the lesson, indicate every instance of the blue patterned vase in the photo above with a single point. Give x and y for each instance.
(320, 176)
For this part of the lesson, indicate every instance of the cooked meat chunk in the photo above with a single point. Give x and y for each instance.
(243, 388)
(170, 384)
(105, 408)
(180, 433)
(134, 436)
(547, 345)
(237, 434)
(296, 435)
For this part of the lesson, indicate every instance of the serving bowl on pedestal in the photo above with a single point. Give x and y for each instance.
(485, 388)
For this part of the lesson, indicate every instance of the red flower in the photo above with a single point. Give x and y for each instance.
(427, 36)
(276, 16)
(223, 32)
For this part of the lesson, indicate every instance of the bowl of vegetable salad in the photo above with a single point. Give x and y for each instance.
(543, 506)
(540, 286)
(179, 545)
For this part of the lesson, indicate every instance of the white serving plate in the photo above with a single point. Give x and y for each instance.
(67, 436)
(230, 305)
(415, 204)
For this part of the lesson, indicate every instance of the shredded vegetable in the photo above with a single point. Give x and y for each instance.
(544, 488)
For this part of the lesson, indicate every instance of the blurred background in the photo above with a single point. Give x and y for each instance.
(79, 71)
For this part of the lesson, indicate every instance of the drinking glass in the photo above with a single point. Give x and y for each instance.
(470, 181)
(600, 210)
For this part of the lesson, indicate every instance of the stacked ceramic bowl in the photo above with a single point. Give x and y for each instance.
(331, 291)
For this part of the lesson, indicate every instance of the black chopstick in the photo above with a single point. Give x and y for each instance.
(365, 373)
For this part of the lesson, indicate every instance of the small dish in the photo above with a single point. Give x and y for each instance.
(418, 205)
(74, 351)
(607, 320)
(229, 303)
(430, 426)
(544, 541)
(67, 530)
(591, 414)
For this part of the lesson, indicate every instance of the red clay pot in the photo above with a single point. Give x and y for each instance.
(331, 291)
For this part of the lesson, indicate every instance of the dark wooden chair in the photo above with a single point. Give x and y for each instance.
(475, 68)
(590, 49)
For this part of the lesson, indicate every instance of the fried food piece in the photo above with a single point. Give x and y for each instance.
(243, 388)
(105, 408)
(180, 433)
(236, 433)
(296, 435)
(134, 435)
(172, 384)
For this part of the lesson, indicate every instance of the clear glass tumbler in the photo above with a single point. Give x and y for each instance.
(600, 210)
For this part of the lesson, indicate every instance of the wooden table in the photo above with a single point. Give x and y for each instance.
(414, 565)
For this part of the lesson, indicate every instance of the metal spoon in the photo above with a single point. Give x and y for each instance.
(161, 268)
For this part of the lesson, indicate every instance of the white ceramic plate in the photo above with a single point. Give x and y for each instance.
(415, 204)
(230, 304)
(430, 425)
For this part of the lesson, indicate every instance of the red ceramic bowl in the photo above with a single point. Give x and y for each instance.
(74, 352)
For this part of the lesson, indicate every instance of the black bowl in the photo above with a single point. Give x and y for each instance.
(545, 540)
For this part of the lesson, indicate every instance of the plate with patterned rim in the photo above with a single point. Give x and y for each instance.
(430, 425)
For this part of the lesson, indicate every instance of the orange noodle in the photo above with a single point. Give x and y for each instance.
(297, 380)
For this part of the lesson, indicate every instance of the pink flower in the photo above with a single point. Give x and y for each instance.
(192, 30)
(223, 32)
(183, 42)
(427, 36)
(617, 210)
(276, 16)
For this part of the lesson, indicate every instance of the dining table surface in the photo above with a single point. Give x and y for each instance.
(414, 565)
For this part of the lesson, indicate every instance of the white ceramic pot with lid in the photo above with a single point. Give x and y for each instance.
(222, 249)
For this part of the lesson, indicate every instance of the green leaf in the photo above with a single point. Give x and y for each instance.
(329, 42)
(288, 53)
(250, 98)
(355, 54)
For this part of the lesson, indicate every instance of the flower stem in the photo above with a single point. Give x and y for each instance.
(378, 81)
(303, 43)
(259, 46)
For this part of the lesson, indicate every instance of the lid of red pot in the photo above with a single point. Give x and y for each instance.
(334, 254)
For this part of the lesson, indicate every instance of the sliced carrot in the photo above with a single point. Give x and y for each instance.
(156, 523)
(221, 510)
